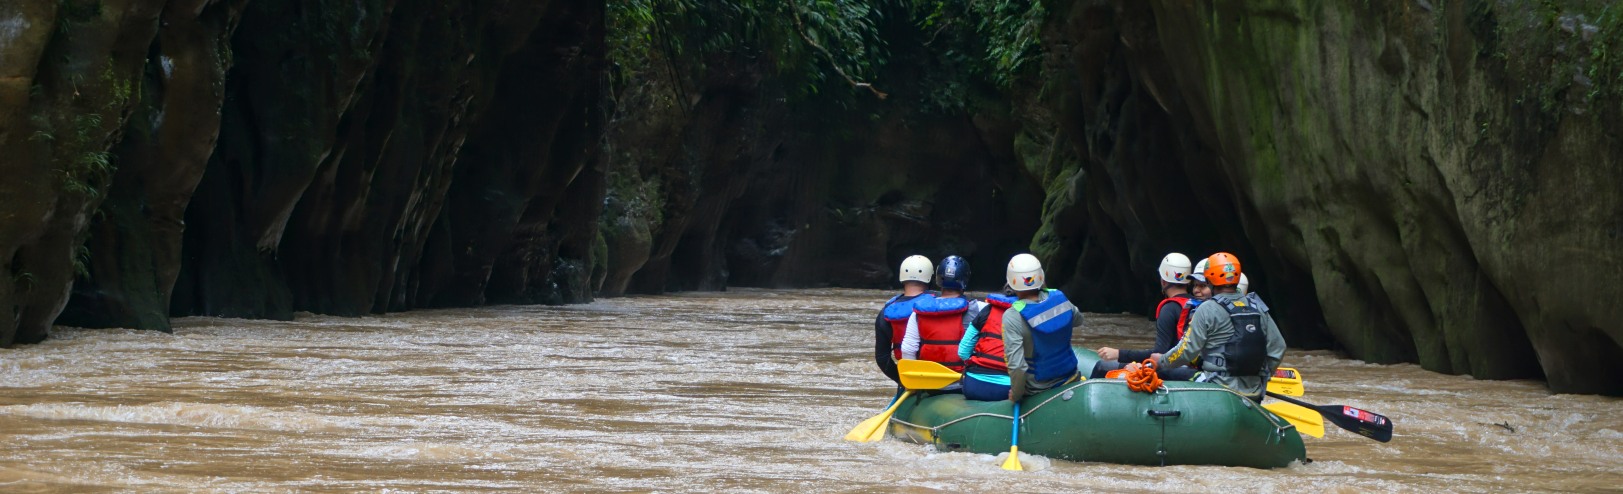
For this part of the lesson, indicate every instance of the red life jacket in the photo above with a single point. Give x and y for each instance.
(941, 327)
(896, 314)
(987, 357)
(1184, 308)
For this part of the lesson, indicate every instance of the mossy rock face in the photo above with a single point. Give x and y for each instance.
(307, 157)
(135, 239)
(69, 76)
(1415, 170)
(367, 157)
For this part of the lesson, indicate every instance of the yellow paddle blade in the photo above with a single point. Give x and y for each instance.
(1307, 421)
(1286, 381)
(924, 374)
(873, 429)
(878, 433)
(861, 432)
(1013, 462)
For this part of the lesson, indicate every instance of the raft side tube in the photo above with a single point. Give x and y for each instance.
(1184, 423)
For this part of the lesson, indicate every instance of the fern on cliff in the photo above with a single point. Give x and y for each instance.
(818, 47)
(809, 43)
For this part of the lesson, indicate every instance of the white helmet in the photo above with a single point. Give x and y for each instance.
(1025, 273)
(1200, 271)
(1244, 285)
(1175, 269)
(917, 268)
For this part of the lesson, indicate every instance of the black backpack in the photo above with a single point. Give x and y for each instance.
(1246, 352)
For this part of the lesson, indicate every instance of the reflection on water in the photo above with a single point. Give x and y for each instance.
(749, 390)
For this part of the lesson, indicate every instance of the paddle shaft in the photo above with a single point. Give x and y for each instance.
(1363, 422)
(1013, 461)
(1014, 432)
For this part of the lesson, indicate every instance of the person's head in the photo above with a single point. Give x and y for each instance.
(1223, 272)
(1244, 286)
(1198, 287)
(952, 276)
(915, 275)
(1174, 271)
(1200, 290)
(1025, 275)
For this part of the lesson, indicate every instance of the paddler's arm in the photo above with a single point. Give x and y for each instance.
(1193, 344)
(972, 330)
(1276, 343)
(910, 338)
(1166, 334)
(1014, 351)
(881, 350)
(966, 346)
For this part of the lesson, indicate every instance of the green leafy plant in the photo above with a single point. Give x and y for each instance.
(982, 46)
(81, 262)
(810, 43)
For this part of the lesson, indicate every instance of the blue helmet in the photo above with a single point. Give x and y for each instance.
(953, 274)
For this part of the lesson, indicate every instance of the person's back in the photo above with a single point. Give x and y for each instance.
(890, 326)
(1171, 319)
(937, 328)
(986, 371)
(937, 323)
(1232, 337)
(1037, 331)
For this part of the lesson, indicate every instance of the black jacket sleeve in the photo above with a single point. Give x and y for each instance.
(882, 347)
(1166, 335)
(1166, 328)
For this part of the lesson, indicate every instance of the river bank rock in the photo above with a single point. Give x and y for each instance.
(69, 78)
(274, 157)
(1437, 178)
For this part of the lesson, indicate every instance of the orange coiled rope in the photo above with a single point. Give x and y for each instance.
(1144, 379)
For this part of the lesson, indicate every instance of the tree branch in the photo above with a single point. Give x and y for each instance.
(800, 28)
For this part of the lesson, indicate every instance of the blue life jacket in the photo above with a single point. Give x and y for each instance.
(930, 304)
(1050, 321)
(896, 313)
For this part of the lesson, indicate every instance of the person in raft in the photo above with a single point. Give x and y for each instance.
(986, 375)
(937, 323)
(1199, 288)
(1171, 320)
(1231, 336)
(1037, 331)
(891, 324)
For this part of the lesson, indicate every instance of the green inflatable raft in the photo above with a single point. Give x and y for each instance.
(1184, 423)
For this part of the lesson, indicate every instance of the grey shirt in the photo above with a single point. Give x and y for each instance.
(1209, 329)
(1016, 351)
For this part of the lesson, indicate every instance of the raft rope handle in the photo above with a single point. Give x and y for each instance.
(938, 427)
(1278, 424)
(1033, 409)
(1144, 379)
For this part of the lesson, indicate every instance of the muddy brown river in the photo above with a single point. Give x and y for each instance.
(743, 391)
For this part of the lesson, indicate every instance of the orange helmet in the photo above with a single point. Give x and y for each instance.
(1223, 269)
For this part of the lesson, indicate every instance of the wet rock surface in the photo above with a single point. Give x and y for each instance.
(1415, 175)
